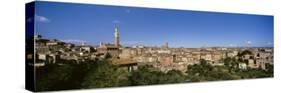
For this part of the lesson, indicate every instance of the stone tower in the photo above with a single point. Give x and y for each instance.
(165, 46)
(116, 37)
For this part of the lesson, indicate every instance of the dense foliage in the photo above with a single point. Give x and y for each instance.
(230, 71)
(99, 74)
(146, 76)
(103, 74)
(206, 72)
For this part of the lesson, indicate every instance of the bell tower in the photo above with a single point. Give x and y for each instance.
(116, 37)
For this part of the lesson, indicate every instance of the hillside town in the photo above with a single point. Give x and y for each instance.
(163, 58)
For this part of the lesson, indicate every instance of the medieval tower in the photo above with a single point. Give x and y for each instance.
(116, 37)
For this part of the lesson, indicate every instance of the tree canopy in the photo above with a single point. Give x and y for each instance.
(102, 73)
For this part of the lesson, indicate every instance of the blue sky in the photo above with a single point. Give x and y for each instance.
(151, 27)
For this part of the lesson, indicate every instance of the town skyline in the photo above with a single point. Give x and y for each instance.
(83, 46)
(180, 28)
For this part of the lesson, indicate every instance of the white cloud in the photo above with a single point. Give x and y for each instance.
(249, 42)
(233, 45)
(42, 19)
(74, 41)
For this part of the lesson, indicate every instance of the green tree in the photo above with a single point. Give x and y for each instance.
(207, 72)
(145, 75)
(56, 77)
(103, 74)
(175, 76)
(231, 64)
